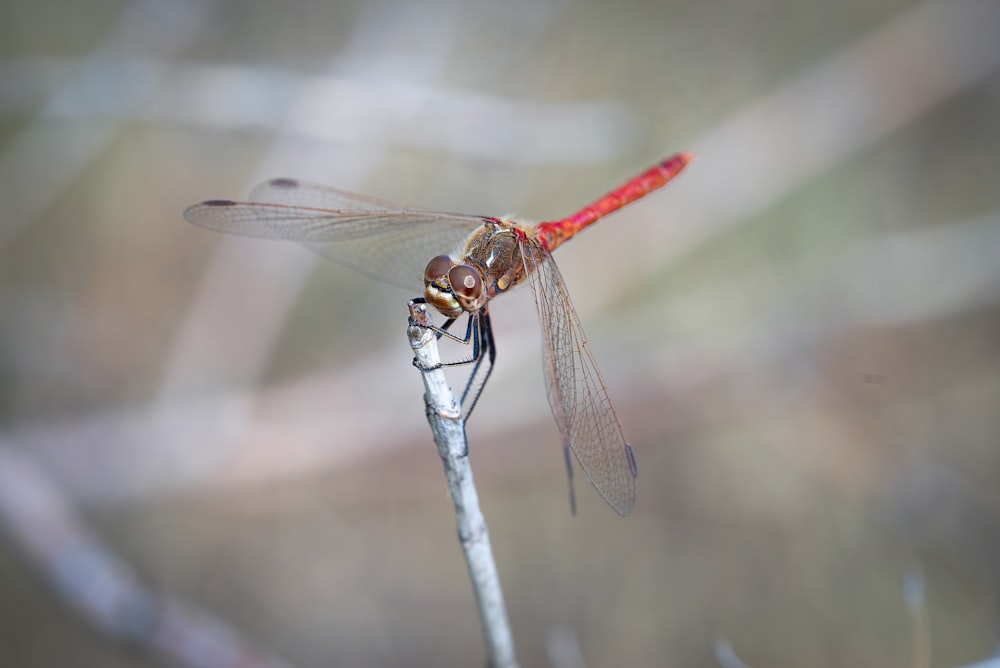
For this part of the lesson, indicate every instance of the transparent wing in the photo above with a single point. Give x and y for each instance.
(576, 390)
(315, 196)
(377, 238)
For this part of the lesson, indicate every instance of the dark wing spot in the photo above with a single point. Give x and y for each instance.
(219, 202)
(284, 183)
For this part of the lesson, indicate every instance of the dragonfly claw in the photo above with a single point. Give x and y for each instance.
(434, 367)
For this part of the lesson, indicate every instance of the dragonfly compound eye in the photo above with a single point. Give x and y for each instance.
(437, 269)
(467, 285)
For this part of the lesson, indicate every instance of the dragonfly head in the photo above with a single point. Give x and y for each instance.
(453, 288)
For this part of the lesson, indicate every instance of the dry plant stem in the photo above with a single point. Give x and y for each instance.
(445, 417)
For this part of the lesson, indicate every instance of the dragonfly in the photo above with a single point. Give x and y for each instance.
(472, 260)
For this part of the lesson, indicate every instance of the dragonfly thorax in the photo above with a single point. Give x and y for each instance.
(491, 263)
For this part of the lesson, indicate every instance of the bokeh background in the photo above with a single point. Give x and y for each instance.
(213, 443)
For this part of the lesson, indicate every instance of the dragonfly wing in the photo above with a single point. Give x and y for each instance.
(576, 390)
(312, 195)
(391, 245)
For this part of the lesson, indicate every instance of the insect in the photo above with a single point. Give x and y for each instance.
(461, 263)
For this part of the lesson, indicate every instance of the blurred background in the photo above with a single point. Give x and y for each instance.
(210, 444)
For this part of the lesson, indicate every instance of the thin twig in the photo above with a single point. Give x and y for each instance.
(445, 417)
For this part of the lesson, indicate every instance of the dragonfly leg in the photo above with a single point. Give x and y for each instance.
(478, 331)
(471, 334)
(443, 329)
(485, 336)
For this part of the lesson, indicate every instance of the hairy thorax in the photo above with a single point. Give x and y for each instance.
(490, 263)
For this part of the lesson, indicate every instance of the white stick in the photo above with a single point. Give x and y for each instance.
(445, 417)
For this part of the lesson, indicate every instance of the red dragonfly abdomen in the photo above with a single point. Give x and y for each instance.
(554, 233)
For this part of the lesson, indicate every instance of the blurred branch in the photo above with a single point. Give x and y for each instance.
(993, 662)
(819, 119)
(326, 108)
(726, 655)
(445, 417)
(916, 605)
(103, 589)
(42, 159)
(563, 648)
